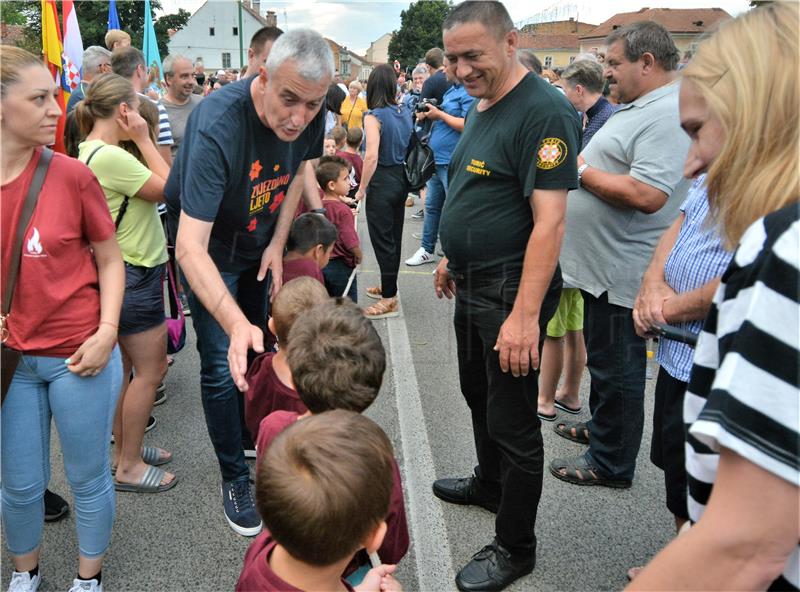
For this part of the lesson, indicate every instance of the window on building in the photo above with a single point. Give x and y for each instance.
(211, 31)
(226, 60)
(571, 59)
(236, 31)
(548, 61)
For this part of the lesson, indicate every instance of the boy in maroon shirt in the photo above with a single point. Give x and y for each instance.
(323, 491)
(337, 362)
(309, 246)
(350, 154)
(333, 177)
(271, 387)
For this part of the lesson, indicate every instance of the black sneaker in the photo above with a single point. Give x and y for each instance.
(151, 423)
(493, 568)
(161, 395)
(419, 215)
(55, 506)
(240, 508)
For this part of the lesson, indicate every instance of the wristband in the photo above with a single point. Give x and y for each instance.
(318, 211)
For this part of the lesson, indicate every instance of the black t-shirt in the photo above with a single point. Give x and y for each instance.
(529, 140)
(234, 171)
(435, 87)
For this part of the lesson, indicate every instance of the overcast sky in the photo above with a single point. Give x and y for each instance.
(356, 23)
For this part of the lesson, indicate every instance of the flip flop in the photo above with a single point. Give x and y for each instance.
(149, 483)
(545, 417)
(567, 409)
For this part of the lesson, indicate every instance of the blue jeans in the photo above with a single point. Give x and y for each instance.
(83, 410)
(616, 360)
(337, 274)
(222, 401)
(434, 202)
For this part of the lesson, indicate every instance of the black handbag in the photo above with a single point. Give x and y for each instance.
(11, 357)
(419, 163)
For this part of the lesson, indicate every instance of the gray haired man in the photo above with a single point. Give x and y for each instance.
(96, 60)
(232, 194)
(180, 100)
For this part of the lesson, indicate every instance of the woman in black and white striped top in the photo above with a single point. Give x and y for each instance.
(739, 104)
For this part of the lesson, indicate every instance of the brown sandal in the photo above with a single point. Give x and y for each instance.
(383, 309)
(374, 292)
(577, 431)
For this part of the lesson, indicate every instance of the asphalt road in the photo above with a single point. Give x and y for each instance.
(179, 540)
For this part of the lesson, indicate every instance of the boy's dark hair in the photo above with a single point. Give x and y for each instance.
(329, 169)
(490, 13)
(382, 87)
(310, 230)
(293, 299)
(354, 137)
(324, 484)
(262, 36)
(339, 135)
(336, 357)
(434, 57)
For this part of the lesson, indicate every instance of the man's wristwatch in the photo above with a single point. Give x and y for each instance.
(582, 168)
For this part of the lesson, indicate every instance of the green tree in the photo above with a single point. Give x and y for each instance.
(25, 14)
(166, 22)
(420, 30)
(93, 20)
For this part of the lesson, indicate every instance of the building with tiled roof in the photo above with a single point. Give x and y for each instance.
(555, 43)
(686, 25)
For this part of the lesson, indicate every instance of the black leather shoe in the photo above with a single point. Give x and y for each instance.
(462, 491)
(493, 568)
(55, 506)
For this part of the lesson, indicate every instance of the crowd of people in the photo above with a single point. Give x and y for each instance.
(631, 195)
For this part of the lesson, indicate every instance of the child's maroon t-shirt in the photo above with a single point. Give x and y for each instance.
(355, 160)
(342, 217)
(267, 394)
(296, 268)
(395, 543)
(257, 575)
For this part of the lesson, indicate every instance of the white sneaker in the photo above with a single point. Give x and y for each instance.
(85, 586)
(23, 582)
(420, 258)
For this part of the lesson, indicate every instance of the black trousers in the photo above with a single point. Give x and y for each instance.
(616, 360)
(508, 438)
(386, 196)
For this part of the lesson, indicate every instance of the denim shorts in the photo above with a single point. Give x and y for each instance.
(143, 304)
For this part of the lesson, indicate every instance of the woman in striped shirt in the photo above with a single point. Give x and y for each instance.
(739, 104)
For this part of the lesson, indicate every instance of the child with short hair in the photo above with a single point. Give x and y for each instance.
(350, 154)
(332, 176)
(337, 361)
(309, 247)
(339, 135)
(323, 490)
(270, 379)
(329, 146)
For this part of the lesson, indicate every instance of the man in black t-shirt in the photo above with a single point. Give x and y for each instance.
(232, 193)
(501, 231)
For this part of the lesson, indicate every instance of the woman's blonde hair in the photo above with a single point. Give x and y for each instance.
(355, 84)
(13, 61)
(747, 73)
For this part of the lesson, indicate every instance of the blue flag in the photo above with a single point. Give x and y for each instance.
(149, 43)
(113, 19)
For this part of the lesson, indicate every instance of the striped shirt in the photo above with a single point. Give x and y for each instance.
(164, 129)
(696, 258)
(744, 392)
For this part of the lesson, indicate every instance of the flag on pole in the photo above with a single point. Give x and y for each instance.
(113, 19)
(52, 50)
(73, 46)
(149, 43)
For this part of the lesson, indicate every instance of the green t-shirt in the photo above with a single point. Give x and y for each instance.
(528, 140)
(140, 235)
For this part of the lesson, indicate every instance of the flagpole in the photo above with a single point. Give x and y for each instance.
(241, 40)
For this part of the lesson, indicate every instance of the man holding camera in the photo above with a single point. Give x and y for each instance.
(448, 123)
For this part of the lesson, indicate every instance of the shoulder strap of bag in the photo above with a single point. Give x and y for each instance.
(124, 207)
(27, 212)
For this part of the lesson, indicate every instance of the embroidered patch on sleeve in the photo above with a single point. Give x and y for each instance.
(551, 153)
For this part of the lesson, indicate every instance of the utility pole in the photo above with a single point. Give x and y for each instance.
(241, 37)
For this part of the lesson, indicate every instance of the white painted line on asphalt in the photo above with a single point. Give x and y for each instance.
(428, 530)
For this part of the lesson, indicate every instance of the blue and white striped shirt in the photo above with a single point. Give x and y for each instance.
(696, 258)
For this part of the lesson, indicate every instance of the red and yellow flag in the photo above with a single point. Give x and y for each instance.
(52, 49)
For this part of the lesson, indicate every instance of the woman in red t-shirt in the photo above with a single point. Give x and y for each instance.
(64, 316)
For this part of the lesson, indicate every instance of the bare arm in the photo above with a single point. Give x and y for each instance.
(310, 187)
(749, 528)
(434, 113)
(690, 306)
(622, 191)
(136, 128)
(92, 356)
(166, 154)
(518, 340)
(372, 127)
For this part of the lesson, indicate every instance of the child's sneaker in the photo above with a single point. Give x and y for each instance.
(23, 582)
(421, 257)
(240, 509)
(86, 586)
